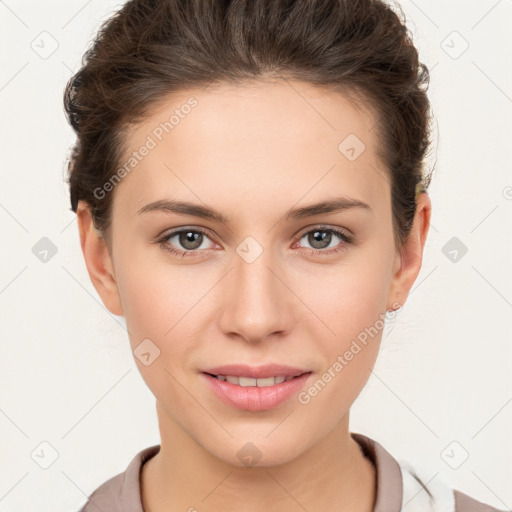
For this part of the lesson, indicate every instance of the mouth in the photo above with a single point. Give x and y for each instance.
(262, 382)
(252, 393)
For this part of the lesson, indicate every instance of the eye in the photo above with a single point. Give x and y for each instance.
(321, 237)
(192, 240)
(189, 239)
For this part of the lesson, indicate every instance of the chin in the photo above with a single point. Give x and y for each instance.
(257, 452)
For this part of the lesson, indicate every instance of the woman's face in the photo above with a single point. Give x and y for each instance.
(250, 290)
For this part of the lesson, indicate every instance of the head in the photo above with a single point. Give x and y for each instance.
(254, 111)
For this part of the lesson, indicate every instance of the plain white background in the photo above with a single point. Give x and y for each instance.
(442, 387)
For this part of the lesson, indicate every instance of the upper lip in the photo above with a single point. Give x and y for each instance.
(256, 372)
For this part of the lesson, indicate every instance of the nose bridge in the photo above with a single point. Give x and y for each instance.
(256, 305)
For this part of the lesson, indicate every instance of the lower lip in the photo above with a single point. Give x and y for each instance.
(253, 398)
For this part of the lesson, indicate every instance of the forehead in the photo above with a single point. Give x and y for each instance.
(255, 138)
(267, 111)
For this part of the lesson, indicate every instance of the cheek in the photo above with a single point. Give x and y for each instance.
(352, 303)
(157, 307)
(356, 316)
(351, 296)
(155, 295)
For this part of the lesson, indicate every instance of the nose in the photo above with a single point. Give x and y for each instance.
(257, 301)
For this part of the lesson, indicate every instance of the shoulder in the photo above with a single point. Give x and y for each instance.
(106, 496)
(403, 486)
(121, 493)
(424, 492)
(465, 503)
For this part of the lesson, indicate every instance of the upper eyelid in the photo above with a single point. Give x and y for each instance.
(325, 227)
(179, 230)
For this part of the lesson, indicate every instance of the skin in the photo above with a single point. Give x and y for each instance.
(252, 153)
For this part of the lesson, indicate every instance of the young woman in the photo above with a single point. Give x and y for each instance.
(251, 196)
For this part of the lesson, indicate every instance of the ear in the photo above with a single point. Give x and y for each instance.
(98, 260)
(408, 261)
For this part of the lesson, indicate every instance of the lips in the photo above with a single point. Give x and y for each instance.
(255, 388)
(254, 397)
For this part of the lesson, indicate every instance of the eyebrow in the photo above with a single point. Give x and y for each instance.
(184, 208)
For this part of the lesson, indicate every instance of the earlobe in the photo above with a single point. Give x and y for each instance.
(408, 261)
(98, 260)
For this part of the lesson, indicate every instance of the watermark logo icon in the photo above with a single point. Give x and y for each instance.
(146, 352)
(44, 455)
(454, 249)
(44, 250)
(44, 44)
(249, 249)
(454, 45)
(249, 454)
(455, 455)
(352, 147)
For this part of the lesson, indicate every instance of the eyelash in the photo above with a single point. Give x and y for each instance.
(163, 242)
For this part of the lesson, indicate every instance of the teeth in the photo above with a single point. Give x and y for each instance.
(250, 381)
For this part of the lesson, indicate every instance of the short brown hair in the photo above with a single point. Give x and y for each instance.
(151, 48)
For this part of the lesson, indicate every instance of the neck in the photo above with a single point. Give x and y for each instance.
(331, 475)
